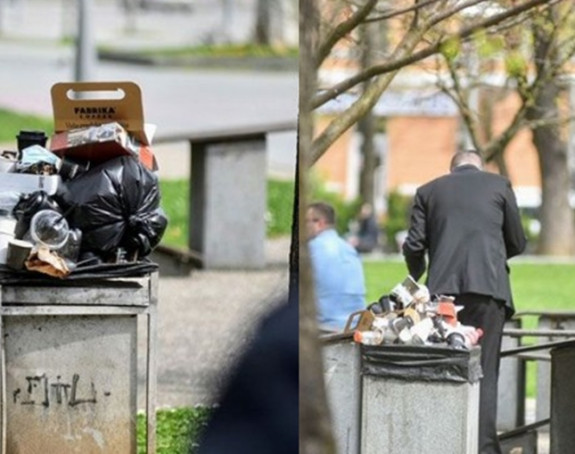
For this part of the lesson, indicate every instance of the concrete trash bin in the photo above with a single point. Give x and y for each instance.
(70, 360)
(343, 388)
(419, 399)
(562, 405)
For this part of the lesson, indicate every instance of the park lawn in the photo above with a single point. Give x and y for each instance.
(177, 430)
(14, 122)
(223, 50)
(536, 287)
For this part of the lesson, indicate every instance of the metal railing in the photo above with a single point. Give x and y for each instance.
(554, 331)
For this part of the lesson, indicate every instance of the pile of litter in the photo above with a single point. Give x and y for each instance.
(410, 315)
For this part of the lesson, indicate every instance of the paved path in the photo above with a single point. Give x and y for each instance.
(206, 320)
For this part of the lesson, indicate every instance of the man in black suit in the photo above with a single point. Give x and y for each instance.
(468, 222)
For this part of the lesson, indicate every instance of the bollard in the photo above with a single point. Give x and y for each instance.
(562, 405)
(511, 385)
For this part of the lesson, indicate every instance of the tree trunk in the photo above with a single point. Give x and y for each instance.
(556, 216)
(367, 125)
(262, 32)
(271, 22)
(314, 423)
(369, 159)
(499, 160)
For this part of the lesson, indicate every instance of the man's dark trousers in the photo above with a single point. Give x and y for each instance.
(488, 314)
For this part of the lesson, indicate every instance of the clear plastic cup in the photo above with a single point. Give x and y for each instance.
(49, 228)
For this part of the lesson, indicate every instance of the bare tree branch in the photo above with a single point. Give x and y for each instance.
(362, 105)
(451, 12)
(400, 12)
(459, 95)
(385, 68)
(343, 29)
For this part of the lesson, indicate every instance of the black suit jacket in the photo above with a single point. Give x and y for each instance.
(469, 224)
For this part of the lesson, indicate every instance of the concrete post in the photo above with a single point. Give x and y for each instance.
(511, 386)
(86, 56)
(547, 321)
(227, 21)
(228, 201)
(562, 411)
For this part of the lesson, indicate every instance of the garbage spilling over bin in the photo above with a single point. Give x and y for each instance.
(396, 365)
(79, 214)
(411, 316)
(88, 197)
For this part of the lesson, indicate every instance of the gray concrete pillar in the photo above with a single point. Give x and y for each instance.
(562, 408)
(511, 386)
(228, 202)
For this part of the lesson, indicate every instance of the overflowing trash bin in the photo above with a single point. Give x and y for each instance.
(419, 399)
(79, 214)
(410, 384)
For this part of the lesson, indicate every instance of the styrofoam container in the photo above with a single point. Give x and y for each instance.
(27, 183)
(6, 165)
(7, 228)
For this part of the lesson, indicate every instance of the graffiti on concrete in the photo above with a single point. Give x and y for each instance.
(40, 390)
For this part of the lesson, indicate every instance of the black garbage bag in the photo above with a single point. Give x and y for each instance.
(116, 205)
(28, 206)
(421, 363)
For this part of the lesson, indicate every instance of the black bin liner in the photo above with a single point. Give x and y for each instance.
(116, 204)
(421, 363)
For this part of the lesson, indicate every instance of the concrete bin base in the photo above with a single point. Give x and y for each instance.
(70, 383)
(69, 363)
(408, 408)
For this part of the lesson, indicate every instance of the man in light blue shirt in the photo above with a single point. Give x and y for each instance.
(337, 269)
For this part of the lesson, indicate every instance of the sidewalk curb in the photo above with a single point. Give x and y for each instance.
(246, 63)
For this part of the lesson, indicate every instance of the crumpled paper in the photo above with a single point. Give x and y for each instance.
(45, 261)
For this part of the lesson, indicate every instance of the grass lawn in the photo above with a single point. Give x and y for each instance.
(536, 287)
(223, 50)
(13, 122)
(177, 430)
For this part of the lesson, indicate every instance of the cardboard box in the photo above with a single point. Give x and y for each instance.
(97, 121)
(95, 143)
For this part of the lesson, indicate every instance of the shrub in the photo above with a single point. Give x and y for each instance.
(398, 211)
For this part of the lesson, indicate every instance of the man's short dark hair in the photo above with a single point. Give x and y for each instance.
(466, 157)
(325, 210)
